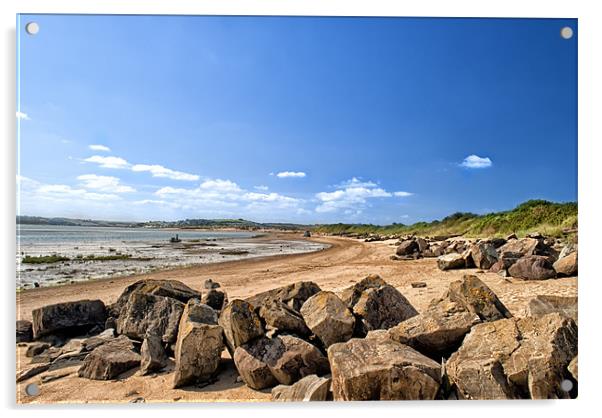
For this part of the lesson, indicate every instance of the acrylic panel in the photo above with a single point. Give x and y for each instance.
(279, 208)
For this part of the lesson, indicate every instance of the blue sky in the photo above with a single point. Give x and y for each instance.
(375, 120)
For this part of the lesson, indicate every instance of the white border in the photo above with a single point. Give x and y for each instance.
(590, 210)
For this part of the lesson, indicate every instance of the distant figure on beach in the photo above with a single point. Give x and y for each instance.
(176, 239)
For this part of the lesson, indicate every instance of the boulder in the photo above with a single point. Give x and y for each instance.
(381, 308)
(514, 358)
(353, 293)
(511, 237)
(497, 242)
(529, 246)
(328, 318)
(291, 358)
(276, 315)
(147, 313)
(566, 266)
(545, 304)
(532, 267)
(505, 260)
(310, 388)
(451, 261)
(153, 356)
(484, 255)
(36, 348)
(210, 284)
(567, 249)
(418, 285)
(423, 245)
(373, 369)
(407, 247)
(293, 295)
(109, 360)
(249, 361)
(477, 298)
(240, 323)
(68, 317)
(199, 346)
(32, 371)
(24, 331)
(172, 289)
(215, 298)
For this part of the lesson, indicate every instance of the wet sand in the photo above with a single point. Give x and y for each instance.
(344, 263)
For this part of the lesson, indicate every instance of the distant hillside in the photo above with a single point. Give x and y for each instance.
(534, 215)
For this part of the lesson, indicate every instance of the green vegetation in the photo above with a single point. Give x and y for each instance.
(44, 259)
(534, 215)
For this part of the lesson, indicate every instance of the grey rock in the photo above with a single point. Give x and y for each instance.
(293, 295)
(328, 318)
(381, 308)
(240, 324)
(566, 266)
(153, 356)
(68, 317)
(109, 360)
(545, 304)
(451, 261)
(283, 318)
(24, 331)
(310, 388)
(533, 267)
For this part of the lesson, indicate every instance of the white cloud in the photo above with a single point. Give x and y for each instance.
(160, 171)
(108, 162)
(285, 174)
(261, 188)
(402, 194)
(65, 192)
(474, 161)
(97, 147)
(352, 196)
(104, 183)
(23, 116)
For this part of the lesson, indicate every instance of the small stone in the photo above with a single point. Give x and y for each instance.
(417, 285)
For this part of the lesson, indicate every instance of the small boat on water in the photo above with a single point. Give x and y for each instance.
(175, 239)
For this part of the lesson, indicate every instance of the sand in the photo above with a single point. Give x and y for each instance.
(344, 263)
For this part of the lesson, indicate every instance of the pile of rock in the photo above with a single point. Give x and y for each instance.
(531, 258)
(366, 342)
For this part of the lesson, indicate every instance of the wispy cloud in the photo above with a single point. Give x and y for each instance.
(261, 188)
(108, 162)
(104, 183)
(66, 193)
(98, 147)
(155, 170)
(285, 174)
(352, 196)
(23, 116)
(474, 161)
(160, 171)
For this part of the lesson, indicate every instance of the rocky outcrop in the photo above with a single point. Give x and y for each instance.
(371, 369)
(352, 294)
(293, 295)
(514, 358)
(240, 324)
(199, 345)
(484, 255)
(328, 318)
(250, 363)
(146, 313)
(215, 298)
(310, 388)
(545, 304)
(109, 360)
(172, 289)
(566, 266)
(532, 267)
(68, 318)
(278, 316)
(451, 261)
(408, 247)
(477, 298)
(24, 331)
(381, 308)
(153, 356)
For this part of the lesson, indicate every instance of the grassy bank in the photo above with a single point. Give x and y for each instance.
(534, 215)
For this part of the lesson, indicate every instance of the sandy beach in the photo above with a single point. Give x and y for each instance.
(345, 262)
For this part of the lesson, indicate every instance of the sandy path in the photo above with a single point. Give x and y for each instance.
(335, 268)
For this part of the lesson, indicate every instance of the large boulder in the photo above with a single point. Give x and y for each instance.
(283, 318)
(109, 360)
(381, 308)
(328, 318)
(451, 261)
(199, 345)
(310, 388)
(265, 362)
(24, 331)
(566, 266)
(240, 323)
(439, 331)
(353, 293)
(567, 249)
(167, 288)
(514, 358)
(215, 298)
(407, 247)
(68, 317)
(147, 313)
(484, 255)
(505, 260)
(293, 295)
(545, 304)
(374, 369)
(532, 267)
(153, 356)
